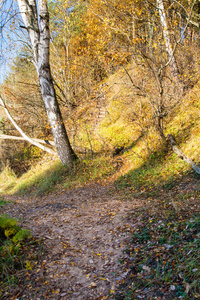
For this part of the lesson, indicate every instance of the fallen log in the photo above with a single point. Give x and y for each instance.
(180, 154)
(81, 150)
(23, 134)
(20, 138)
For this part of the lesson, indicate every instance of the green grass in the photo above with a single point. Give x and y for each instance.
(3, 202)
(50, 176)
(15, 245)
(159, 171)
(7, 179)
(164, 254)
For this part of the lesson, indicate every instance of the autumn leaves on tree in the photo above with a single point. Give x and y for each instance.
(90, 40)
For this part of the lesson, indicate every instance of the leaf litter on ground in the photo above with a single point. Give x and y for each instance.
(164, 252)
(99, 243)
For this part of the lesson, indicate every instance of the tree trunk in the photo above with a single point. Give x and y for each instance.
(39, 34)
(159, 126)
(180, 154)
(168, 46)
(61, 140)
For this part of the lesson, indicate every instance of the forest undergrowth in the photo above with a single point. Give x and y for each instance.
(163, 253)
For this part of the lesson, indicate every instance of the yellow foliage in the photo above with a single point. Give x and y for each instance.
(10, 231)
(28, 265)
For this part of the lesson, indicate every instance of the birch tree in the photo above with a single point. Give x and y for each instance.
(35, 17)
(168, 45)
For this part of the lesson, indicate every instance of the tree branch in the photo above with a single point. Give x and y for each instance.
(27, 138)
(19, 138)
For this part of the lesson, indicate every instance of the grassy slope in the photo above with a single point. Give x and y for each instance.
(144, 164)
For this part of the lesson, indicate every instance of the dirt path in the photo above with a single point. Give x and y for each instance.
(85, 232)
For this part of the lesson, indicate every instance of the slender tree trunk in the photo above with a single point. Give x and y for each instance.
(133, 26)
(37, 25)
(160, 127)
(61, 140)
(168, 46)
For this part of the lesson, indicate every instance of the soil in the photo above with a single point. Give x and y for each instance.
(84, 232)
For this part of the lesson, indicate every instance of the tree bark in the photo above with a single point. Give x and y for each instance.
(37, 25)
(168, 46)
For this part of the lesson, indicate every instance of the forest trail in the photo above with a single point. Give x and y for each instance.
(84, 233)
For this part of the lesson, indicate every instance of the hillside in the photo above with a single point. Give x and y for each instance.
(120, 226)
(144, 161)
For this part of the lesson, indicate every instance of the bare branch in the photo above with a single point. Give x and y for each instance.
(27, 138)
(19, 138)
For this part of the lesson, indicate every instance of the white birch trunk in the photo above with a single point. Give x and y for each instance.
(172, 60)
(37, 25)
